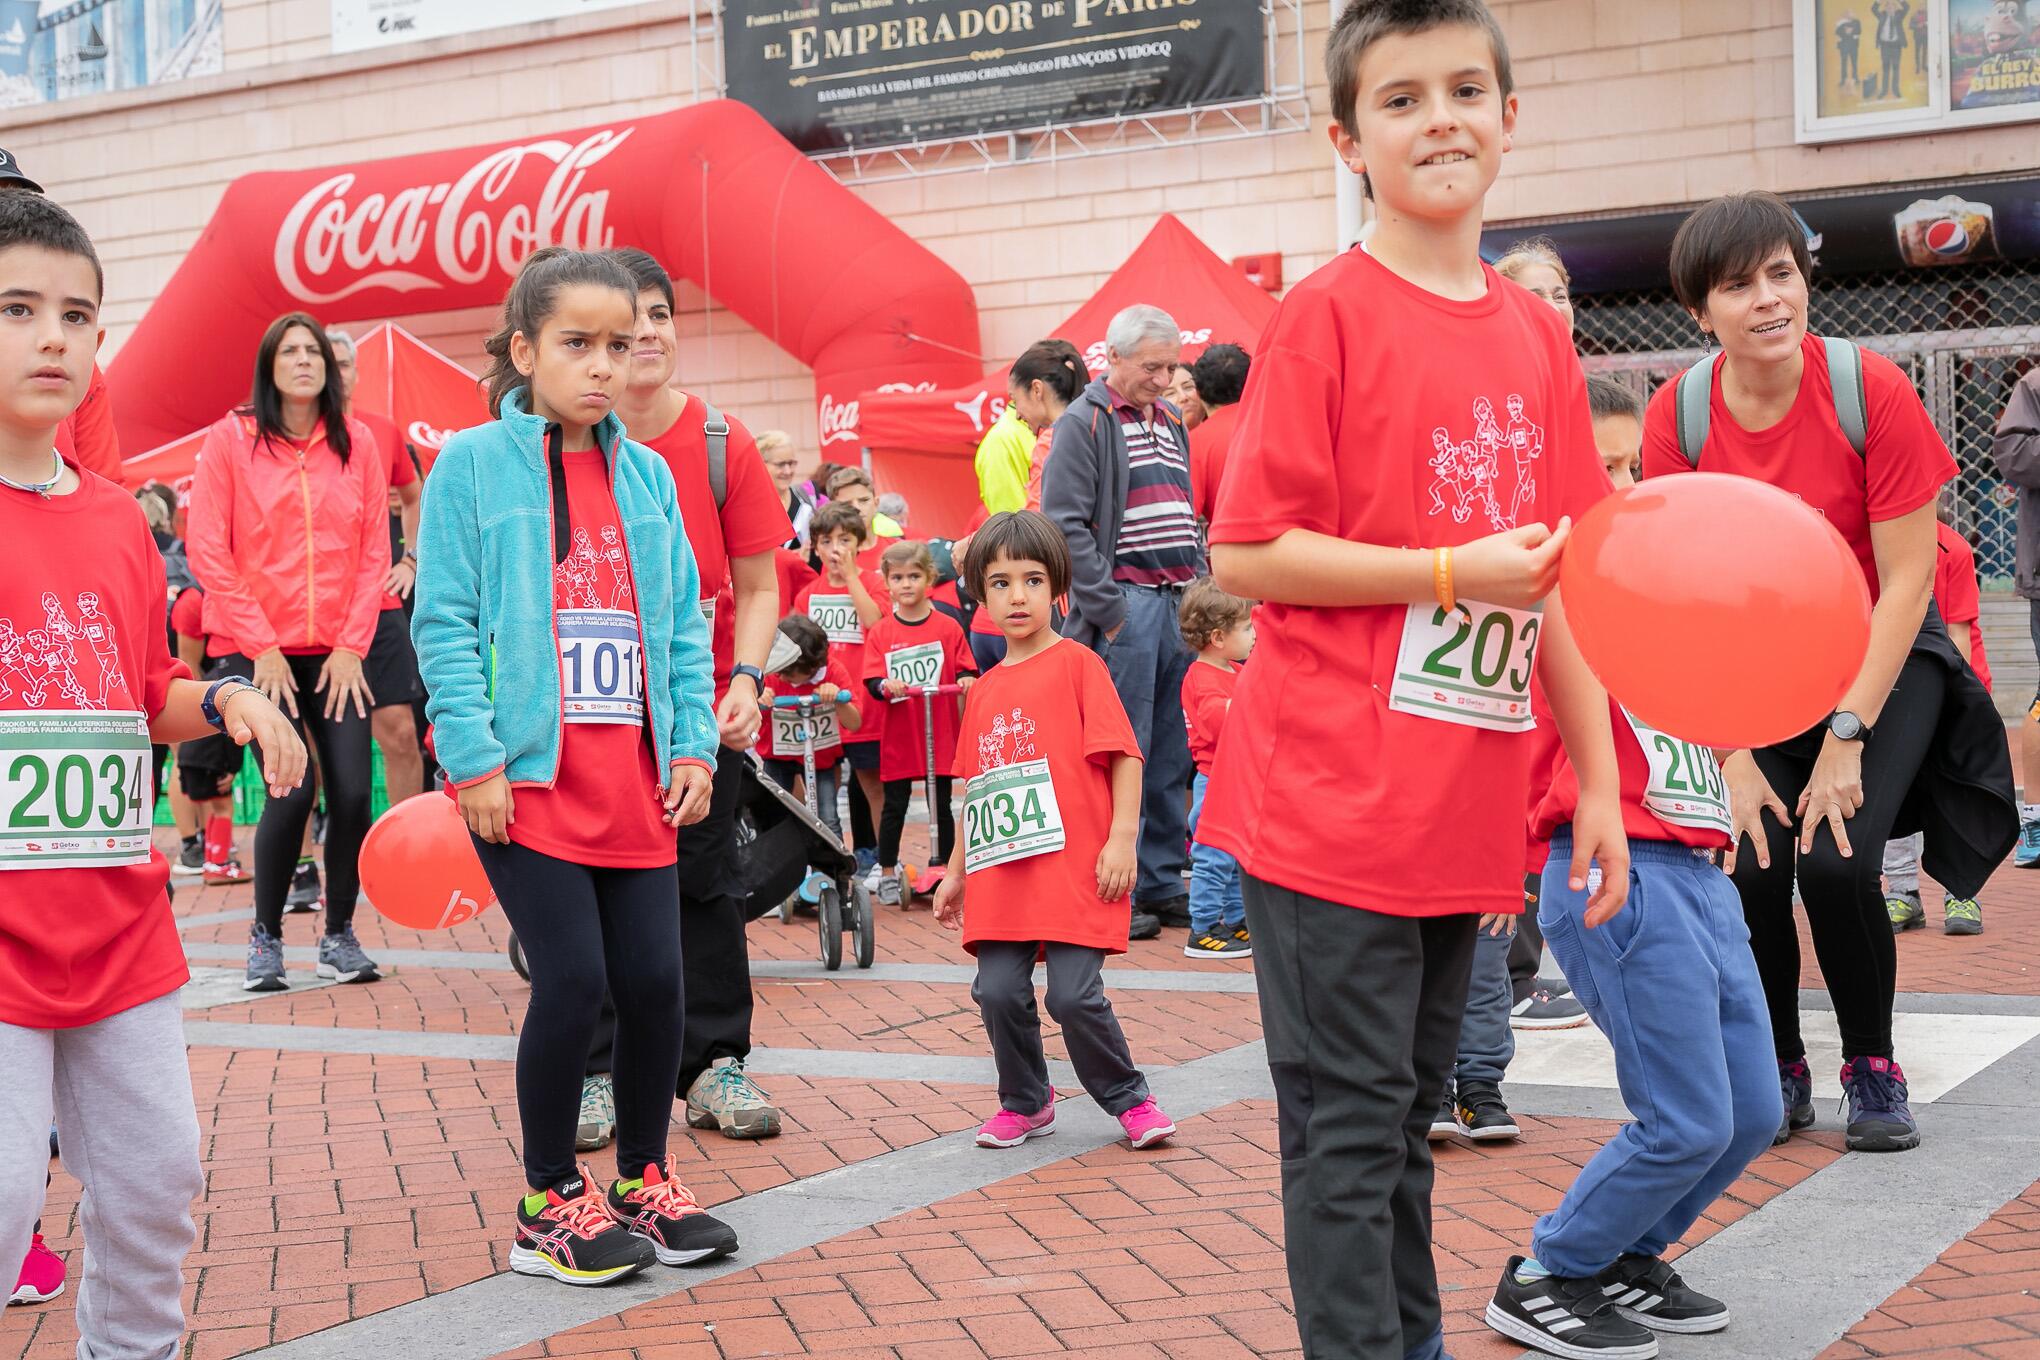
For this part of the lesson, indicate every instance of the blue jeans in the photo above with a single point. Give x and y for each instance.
(1147, 661)
(1215, 899)
(1672, 983)
(1486, 1043)
(786, 774)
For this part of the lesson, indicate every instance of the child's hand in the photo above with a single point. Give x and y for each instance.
(1497, 923)
(489, 808)
(686, 798)
(1516, 568)
(1598, 836)
(949, 902)
(765, 699)
(964, 682)
(1117, 863)
(250, 717)
(894, 689)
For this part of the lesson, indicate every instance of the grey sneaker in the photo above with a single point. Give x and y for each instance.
(890, 890)
(190, 861)
(598, 1113)
(265, 962)
(723, 1097)
(305, 894)
(341, 958)
(1542, 1010)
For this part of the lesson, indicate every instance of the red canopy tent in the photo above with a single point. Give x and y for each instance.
(428, 395)
(921, 443)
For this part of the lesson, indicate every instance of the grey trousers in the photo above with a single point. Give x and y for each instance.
(1361, 1012)
(1004, 992)
(1486, 1043)
(121, 1093)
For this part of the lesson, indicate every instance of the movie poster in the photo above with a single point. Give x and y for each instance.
(1873, 56)
(1993, 53)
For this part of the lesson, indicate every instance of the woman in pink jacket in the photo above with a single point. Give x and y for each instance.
(289, 536)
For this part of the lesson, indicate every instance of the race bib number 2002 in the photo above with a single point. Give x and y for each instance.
(74, 790)
(1470, 666)
(916, 667)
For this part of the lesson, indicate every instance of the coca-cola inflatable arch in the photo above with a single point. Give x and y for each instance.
(711, 190)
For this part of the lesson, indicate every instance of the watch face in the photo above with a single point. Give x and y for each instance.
(1847, 726)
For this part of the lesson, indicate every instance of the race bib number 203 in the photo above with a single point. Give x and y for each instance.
(1470, 666)
(74, 790)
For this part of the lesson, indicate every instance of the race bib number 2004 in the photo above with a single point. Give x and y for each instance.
(1470, 666)
(74, 790)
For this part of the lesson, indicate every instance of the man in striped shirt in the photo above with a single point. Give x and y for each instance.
(1118, 486)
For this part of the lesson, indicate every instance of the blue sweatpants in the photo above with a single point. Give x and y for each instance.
(1672, 983)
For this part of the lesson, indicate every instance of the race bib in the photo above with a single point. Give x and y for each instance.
(601, 666)
(1686, 788)
(708, 611)
(790, 731)
(1010, 813)
(916, 667)
(836, 616)
(1470, 666)
(74, 790)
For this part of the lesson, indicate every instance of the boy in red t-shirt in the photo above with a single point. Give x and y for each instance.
(90, 1029)
(1051, 775)
(1397, 632)
(1961, 604)
(1219, 628)
(912, 648)
(844, 601)
(813, 670)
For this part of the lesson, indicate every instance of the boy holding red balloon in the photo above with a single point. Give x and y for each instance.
(90, 963)
(1399, 634)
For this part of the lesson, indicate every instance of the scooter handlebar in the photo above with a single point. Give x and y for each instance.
(841, 696)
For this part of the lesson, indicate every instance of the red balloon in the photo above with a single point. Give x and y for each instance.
(1719, 610)
(419, 869)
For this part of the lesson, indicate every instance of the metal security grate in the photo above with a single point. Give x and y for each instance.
(1965, 335)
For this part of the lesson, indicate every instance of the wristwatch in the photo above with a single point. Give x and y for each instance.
(757, 676)
(210, 705)
(1846, 726)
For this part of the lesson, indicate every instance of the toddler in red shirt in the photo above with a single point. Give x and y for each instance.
(1051, 775)
(90, 964)
(781, 737)
(914, 647)
(845, 600)
(1220, 629)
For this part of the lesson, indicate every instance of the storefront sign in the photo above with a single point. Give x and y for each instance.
(362, 24)
(1883, 68)
(836, 75)
(68, 49)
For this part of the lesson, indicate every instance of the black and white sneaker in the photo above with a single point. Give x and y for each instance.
(1443, 1123)
(190, 861)
(1572, 1319)
(1483, 1115)
(1647, 1290)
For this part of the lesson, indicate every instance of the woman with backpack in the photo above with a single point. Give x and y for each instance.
(1914, 742)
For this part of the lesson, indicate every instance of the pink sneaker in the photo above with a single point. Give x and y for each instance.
(42, 1275)
(1008, 1129)
(1145, 1124)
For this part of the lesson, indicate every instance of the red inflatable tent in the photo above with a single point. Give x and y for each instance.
(921, 442)
(428, 395)
(711, 190)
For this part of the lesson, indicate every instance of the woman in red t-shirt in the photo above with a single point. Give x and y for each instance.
(1740, 266)
(1051, 807)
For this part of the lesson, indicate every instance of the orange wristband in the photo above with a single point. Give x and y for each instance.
(1441, 579)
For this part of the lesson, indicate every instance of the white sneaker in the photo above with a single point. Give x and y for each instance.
(724, 1097)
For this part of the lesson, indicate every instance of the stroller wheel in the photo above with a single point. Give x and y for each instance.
(829, 922)
(867, 923)
(517, 959)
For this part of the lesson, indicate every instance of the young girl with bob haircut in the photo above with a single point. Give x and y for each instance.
(570, 702)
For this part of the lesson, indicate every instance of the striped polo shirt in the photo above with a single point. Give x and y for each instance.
(1158, 542)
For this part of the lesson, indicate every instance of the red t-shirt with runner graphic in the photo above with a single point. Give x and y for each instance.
(903, 745)
(82, 643)
(1902, 466)
(603, 808)
(750, 520)
(1381, 413)
(833, 678)
(838, 616)
(1057, 706)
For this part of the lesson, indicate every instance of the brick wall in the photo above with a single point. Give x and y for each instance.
(1626, 104)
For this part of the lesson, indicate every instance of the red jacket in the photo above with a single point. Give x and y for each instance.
(291, 546)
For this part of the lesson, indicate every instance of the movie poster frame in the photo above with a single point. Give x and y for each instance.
(1811, 129)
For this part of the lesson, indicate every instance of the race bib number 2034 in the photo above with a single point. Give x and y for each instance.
(74, 790)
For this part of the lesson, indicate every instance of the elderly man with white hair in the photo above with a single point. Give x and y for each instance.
(1118, 486)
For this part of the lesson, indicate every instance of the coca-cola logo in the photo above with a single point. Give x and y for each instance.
(472, 223)
(839, 423)
(426, 436)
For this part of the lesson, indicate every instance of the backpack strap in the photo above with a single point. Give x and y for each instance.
(1692, 407)
(715, 427)
(1845, 376)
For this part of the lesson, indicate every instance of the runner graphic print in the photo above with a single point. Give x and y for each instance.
(1494, 472)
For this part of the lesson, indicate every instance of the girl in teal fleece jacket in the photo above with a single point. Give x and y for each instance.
(569, 675)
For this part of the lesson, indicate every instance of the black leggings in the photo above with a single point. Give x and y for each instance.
(584, 929)
(1844, 896)
(346, 775)
(898, 794)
